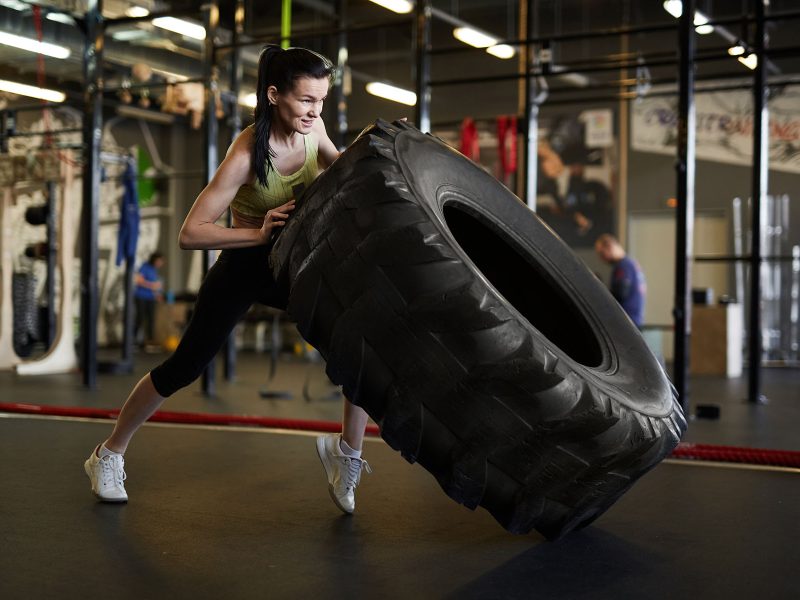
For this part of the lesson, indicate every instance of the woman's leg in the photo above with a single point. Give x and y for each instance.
(143, 401)
(354, 422)
(226, 293)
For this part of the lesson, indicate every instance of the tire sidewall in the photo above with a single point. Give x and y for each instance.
(440, 176)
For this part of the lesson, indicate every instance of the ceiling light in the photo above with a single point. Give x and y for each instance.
(23, 43)
(14, 4)
(137, 11)
(249, 100)
(675, 8)
(473, 37)
(501, 51)
(180, 26)
(398, 6)
(60, 18)
(750, 61)
(392, 93)
(701, 23)
(736, 50)
(29, 90)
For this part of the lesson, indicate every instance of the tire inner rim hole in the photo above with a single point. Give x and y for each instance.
(534, 294)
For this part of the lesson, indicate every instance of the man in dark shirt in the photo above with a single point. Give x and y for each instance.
(628, 285)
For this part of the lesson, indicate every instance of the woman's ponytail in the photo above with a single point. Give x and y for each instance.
(262, 160)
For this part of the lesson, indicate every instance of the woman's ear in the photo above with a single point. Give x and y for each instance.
(272, 94)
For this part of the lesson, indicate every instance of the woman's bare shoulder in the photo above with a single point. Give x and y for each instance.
(244, 141)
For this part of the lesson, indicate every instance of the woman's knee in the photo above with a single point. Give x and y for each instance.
(169, 377)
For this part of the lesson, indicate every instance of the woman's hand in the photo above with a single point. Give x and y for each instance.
(276, 218)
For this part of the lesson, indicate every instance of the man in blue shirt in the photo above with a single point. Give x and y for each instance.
(147, 292)
(628, 284)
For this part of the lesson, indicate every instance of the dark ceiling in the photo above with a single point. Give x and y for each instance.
(385, 52)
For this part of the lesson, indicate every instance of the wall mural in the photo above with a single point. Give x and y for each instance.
(724, 127)
(576, 176)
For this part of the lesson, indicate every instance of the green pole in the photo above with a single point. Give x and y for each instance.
(286, 23)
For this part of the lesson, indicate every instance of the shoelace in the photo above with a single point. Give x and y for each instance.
(354, 467)
(113, 469)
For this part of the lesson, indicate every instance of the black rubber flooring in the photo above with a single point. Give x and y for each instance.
(246, 514)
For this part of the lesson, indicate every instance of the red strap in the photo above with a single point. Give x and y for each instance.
(507, 144)
(469, 139)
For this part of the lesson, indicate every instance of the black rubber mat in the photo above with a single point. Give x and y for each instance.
(235, 514)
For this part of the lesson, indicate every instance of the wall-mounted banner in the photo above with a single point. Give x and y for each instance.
(724, 127)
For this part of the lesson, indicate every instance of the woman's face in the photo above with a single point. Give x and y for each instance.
(298, 108)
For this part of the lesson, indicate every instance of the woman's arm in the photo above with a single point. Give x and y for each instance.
(327, 152)
(200, 231)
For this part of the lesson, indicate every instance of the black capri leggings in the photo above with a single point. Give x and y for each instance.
(239, 278)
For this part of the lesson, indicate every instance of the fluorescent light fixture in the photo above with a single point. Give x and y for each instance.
(390, 92)
(736, 50)
(23, 43)
(750, 61)
(478, 39)
(248, 100)
(701, 23)
(675, 8)
(501, 51)
(60, 18)
(14, 4)
(473, 37)
(137, 11)
(398, 6)
(29, 90)
(180, 26)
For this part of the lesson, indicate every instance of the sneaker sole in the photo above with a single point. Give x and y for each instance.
(87, 469)
(327, 467)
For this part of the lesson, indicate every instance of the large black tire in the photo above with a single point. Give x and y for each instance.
(483, 348)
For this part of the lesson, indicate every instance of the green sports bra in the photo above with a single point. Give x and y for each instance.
(254, 200)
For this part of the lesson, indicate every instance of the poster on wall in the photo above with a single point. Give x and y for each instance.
(575, 179)
(724, 127)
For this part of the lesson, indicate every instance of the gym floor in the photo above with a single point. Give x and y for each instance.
(241, 512)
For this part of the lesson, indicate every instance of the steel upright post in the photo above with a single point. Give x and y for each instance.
(339, 92)
(229, 350)
(531, 112)
(685, 165)
(50, 283)
(423, 71)
(211, 135)
(759, 195)
(90, 219)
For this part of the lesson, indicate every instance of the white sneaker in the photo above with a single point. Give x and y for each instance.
(344, 472)
(107, 475)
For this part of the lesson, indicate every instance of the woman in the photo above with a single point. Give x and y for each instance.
(267, 165)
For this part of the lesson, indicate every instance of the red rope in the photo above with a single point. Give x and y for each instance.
(182, 417)
(732, 454)
(756, 456)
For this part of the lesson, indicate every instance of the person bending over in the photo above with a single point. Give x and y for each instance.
(628, 284)
(265, 168)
